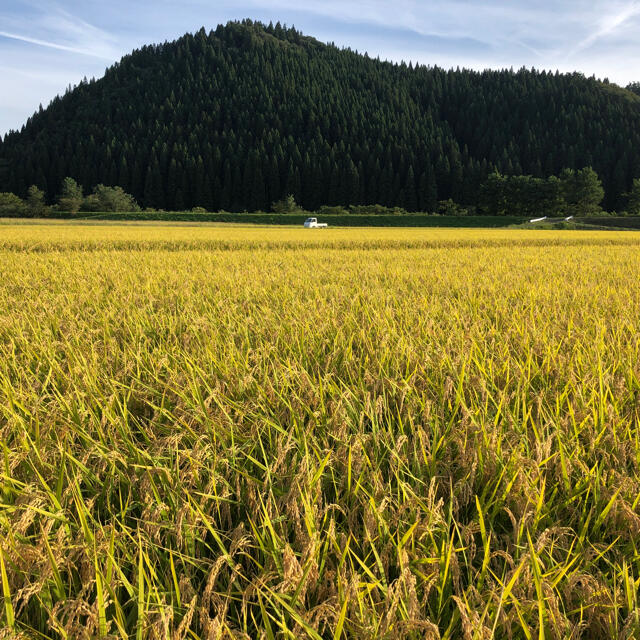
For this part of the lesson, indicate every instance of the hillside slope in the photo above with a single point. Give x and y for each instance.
(236, 118)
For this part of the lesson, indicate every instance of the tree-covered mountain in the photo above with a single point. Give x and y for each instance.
(241, 116)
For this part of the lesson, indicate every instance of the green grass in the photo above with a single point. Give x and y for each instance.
(273, 433)
(405, 220)
(296, 220)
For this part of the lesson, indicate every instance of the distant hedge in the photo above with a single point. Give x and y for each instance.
(407, 220)
(623, 222)
(346, 220)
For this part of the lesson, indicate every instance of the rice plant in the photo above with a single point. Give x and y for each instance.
(272, 433)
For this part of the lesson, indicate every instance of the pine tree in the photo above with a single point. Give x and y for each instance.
(410, 193)
(149, 196)
(352, 185)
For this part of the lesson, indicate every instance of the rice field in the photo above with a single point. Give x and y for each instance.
(266, 433)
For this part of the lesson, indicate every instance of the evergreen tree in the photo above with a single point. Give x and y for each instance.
(633, 198)
(410, 193)
(634, 87)
(582, 191)
(428, 196)
(35, 202)
(70, 198)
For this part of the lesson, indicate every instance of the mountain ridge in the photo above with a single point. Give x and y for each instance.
(242, 115)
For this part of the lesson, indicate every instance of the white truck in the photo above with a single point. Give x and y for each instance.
(312, 223)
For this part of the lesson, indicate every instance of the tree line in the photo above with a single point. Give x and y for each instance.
(572, 193)
(241, 116)
(70, 200)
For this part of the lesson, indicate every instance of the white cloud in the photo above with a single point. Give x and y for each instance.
(54, 45)
(63, 42)
(608, 25)
(43, 49)
(48, 25)
(544, 34)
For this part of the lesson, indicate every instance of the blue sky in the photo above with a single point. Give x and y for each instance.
(45, 45)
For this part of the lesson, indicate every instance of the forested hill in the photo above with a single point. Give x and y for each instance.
(238, 117)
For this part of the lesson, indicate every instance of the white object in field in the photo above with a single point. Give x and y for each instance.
(312, 223)
(569, 218)
(538, 219)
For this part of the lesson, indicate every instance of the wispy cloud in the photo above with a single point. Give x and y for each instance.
(54, 45)
(607, 26)
(44, 47)
(492, 22)
(52, 26)
(549, 30)
(67, 39)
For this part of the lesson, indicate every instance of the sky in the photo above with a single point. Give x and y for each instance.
(47, 45)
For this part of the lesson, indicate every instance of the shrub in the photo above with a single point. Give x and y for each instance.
(11, 205)
(375, 210)
(70, 198)
(287, 205)
(36, 205)
(332, 211)
(110, 199)
(451, 208)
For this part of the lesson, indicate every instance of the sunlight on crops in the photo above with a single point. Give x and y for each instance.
(273, 433)
(137, 236)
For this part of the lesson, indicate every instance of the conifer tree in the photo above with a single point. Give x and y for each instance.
(633, 197)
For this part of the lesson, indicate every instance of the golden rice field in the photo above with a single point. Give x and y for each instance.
(269, 433)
